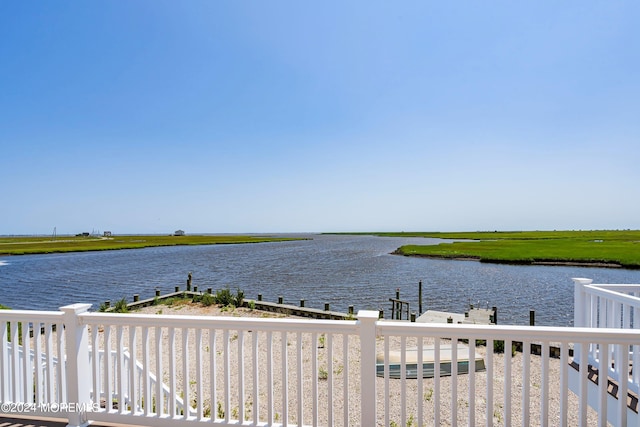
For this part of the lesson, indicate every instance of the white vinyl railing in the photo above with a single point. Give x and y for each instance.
(611, 306)
(180, 370)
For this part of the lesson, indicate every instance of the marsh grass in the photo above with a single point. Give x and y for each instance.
(610, 248)
(38, 245)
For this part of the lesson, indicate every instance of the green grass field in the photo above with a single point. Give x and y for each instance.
(607, 247)
(41, 245)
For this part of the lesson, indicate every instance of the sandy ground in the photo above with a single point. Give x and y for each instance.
(231, 354)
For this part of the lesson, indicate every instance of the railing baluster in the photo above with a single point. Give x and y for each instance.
(314, 377)
(489, 369)
(544, 392)
(526, 384)
(227, 376)
(171, 346)
(403, 380)
(256, 391)
(121, 378)
(214, 374)
(507, 382)
(270, 403)
(623, 387)
(564, 383)
(160, 408)
(4, 361)
(386, 381)
(241, 376)
(454, 381)
(472, 382)
(285, 377)
(62, 374)
(330, 379)
(108, 369)
(95, 363)
(300, 379)
(345, 378)
(37, 363)
(146, 381)
(49, 356)
(27, 376)
(420, 380)
(584, 372)
(186, 382)
(133, 386)
(603, 372)
(199, 369)
(436, 381)
(15, 365)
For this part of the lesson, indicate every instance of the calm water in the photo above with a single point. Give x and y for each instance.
(340, 270)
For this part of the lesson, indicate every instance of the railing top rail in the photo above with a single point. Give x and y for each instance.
(612, 295)
(624, 287)
(30, 315)
(221, 322)
(533, 333)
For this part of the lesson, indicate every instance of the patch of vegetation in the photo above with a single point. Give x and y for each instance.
(226, 298)
(41, 245)
(605, 248)
(121, 306)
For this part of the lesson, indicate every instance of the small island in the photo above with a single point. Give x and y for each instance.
(82, 242)
(595, 248)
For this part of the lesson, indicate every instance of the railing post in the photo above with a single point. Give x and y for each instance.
(367, 322)
(77, 369)
(579, 302)
(579, 311)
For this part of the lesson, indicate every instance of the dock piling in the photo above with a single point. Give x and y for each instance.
(532, 318)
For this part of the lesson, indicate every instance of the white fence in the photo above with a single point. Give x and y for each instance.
(184, 370)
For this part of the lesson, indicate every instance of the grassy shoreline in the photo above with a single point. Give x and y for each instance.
(597, 248)
(46, 245)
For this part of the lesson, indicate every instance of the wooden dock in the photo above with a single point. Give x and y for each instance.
(477, 316)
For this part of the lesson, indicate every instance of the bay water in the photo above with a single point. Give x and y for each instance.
(336, 269)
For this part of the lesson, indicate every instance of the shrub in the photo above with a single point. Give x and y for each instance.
(224, 297)
(239, 298)
(207, 300)
(121, 306)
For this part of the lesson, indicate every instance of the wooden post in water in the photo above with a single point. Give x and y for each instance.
(189, 282)
(136, 297)
(107, 304)
(157, 292)
(259, 297)
(177, 288)
(280, 299)
(301, 303)
(350, 310)
(532, 318)
(195, 289)
(326, 306)
(209, 290)
(420, 297)
(413, 316)
(495, 315)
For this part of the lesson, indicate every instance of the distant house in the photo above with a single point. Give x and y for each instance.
(106, 234)
(179, 233)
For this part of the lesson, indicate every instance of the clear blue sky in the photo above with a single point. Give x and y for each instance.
(285, 116)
